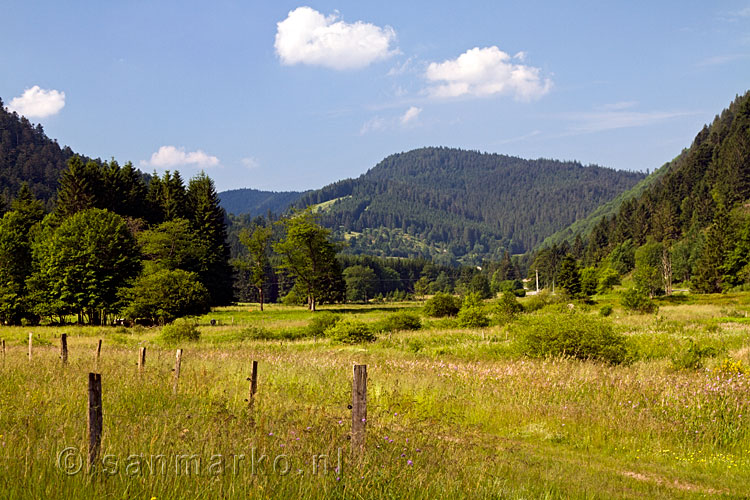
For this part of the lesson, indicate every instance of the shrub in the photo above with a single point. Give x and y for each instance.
(166, 294)
(633, 299)
(572, 334)
(181, 330)
(540, 300)
(608, 278)
(731, 367)
(507, 307)
(350, 331)
(692, 357)
(472, 313)
(441, 305)
(605, 311)
(321, 322)
(399, 322)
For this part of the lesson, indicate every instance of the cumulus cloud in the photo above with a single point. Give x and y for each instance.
(170, 156)
(411, 114)
(38, 103)
(485, 72)
(308, 37)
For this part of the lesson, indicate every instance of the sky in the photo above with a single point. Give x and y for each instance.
(296, 95)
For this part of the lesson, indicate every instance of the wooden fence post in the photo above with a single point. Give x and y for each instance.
(3, 350)
(177, 363)
(31, 343)
(253, 384)
(359, 408)
(141, 359)
(98, 352)
(95, 420)
(64, 348)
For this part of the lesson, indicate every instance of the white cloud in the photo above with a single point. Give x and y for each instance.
(38, 103)
(170, 156)
(308, 37)
(485, 72)
(411, 114)
(618, 106)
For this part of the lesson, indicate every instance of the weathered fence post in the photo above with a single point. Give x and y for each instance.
(64, 348)
(31, 343)
(141, 359)
(95, 420)
(359, 408)
(3, 350)
(253, 384)
(177, 363)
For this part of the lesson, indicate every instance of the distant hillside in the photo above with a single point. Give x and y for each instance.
(462, 205)
(700, 188)
(253, 202)
(583, 227)
(28, 155)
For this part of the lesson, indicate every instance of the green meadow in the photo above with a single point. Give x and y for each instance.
(452, 412)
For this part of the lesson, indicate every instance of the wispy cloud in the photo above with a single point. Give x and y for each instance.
(618, 106)
(599, 121)
(250, 163)
(720, 60)
(524, 137)
(308, 37)
(410, 115)
(375, 124)
(37, 102)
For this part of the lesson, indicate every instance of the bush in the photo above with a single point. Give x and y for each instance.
(181, 330)
(605, 311)
(572, 334)
(350, 331)
(507, 307)
(731, 367)
(472, 313)
(399, 322)
(633, 299)
(164, 295)
(608, 278)
(692, 357)
(441, 305)
(321, 322)
(540, 300)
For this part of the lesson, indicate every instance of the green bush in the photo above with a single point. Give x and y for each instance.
(399, 321)
(605, 311)
(181, 330)
(441, 305)
(541, 299)
(692, 357)
(633, 299)
(350, 331)
(164, 295)
(472, 313)
(571, 334)
(321, 322)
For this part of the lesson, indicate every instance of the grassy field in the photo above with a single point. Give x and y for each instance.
(451, 412)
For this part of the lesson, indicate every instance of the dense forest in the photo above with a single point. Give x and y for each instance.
(691, 226)
(28, 156)
(253, 202)
(462, 206)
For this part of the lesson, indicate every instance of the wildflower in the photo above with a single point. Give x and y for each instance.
(409, 463)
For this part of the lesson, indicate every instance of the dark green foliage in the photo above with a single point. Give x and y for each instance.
(400, 321)
(207, 220)
(80, 266)
(164, 295)
(569, 278)
(172, 245)
(637, 300)
(463, 205)
(321, 322)
(441, 305)
(589, 281)
(507, 308)
(361, 283)
(182, 330)
(608, 278)
(648, 275)
(605, 311)
(350, 331)
(257, 264)
(572, 334)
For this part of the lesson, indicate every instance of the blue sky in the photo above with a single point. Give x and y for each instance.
(289, 95)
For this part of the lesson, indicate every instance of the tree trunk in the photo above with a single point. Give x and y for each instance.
(260, 293)
(666, 267)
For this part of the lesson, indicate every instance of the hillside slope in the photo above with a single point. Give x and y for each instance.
(254, 202)
(463, 205)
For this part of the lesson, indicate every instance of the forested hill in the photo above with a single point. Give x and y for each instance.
(28, 155)
(254, 202)
(697, 210)
(453, 204)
